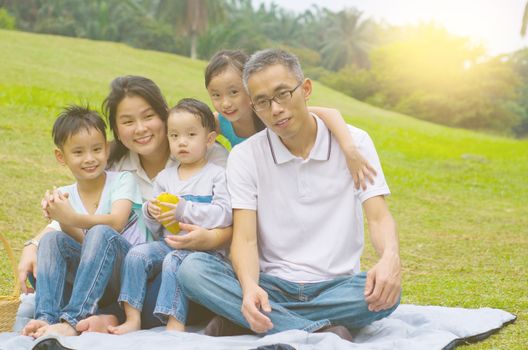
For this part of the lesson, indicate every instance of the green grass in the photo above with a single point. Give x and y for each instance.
(459, 197)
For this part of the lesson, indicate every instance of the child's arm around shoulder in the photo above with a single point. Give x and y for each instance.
(360, 169)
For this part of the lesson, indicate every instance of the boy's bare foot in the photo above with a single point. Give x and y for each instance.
(127, 327)
(175, 325)
(62, 328)
(97, 323)
(33, 326)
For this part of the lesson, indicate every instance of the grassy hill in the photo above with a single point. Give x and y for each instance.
(459, 197)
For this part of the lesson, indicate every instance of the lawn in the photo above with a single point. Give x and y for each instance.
(459, 197)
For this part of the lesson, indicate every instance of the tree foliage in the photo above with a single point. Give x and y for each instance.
(519, 62)
(524, 24)
(434, 75)
(6, 20)
(423, 70)
(347, 40)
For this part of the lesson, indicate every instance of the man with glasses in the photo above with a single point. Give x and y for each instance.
(297, 222)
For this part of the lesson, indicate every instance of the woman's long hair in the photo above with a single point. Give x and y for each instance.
(130, 85)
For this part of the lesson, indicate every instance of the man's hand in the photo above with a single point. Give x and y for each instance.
(254, 304)
(26, 266)
(383, 286)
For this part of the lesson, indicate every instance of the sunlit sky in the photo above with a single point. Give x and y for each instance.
(494, 23)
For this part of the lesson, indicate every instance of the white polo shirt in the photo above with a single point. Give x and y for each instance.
(309, 215)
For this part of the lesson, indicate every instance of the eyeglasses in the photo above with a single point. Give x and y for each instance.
(281, 98)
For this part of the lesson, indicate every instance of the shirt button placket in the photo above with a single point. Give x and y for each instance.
(304, 190)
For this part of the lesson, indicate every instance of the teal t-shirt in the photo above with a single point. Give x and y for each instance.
(229, 133)
(118, 185)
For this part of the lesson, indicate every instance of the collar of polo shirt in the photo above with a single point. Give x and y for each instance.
(320, 151)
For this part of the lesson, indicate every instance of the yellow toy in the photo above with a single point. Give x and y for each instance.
(169, 198)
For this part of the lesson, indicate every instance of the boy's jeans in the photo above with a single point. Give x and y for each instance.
(211, 281)
(171, 301)
(144, 262)
(73, 278)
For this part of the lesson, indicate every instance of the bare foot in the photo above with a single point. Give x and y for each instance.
(97, 323)
(33, 326)
(127, 327)
(175, 325)
(62, 328)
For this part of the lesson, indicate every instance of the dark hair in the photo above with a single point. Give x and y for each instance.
(269, 57)
(197, 108)
(220, 62)
(127, 86)
(73, 119)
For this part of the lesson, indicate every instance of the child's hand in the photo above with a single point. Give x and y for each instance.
(47, 199)
(153, 208)
(167, 218)
(359, 168)
(59, 207)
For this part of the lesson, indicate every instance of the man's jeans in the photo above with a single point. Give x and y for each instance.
(211, 281)
(74, 278)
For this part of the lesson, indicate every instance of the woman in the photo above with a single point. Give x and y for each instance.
(137, 112)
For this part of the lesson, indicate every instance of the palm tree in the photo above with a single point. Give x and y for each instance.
(196, 22)
(348, 39)
(524, 20)
(191, 17)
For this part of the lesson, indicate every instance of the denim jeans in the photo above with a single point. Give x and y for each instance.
(171, 301)
(142, 263)
(74, 279)
(148, 320)
(196, 315)
(211, 281)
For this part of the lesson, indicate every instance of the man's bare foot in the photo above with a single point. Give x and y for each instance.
(33, 326)
(175, 325)
(97, 323)
(62, 328)
(127, 327)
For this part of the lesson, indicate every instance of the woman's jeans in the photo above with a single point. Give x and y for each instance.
(74, 279)
(211, 281)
